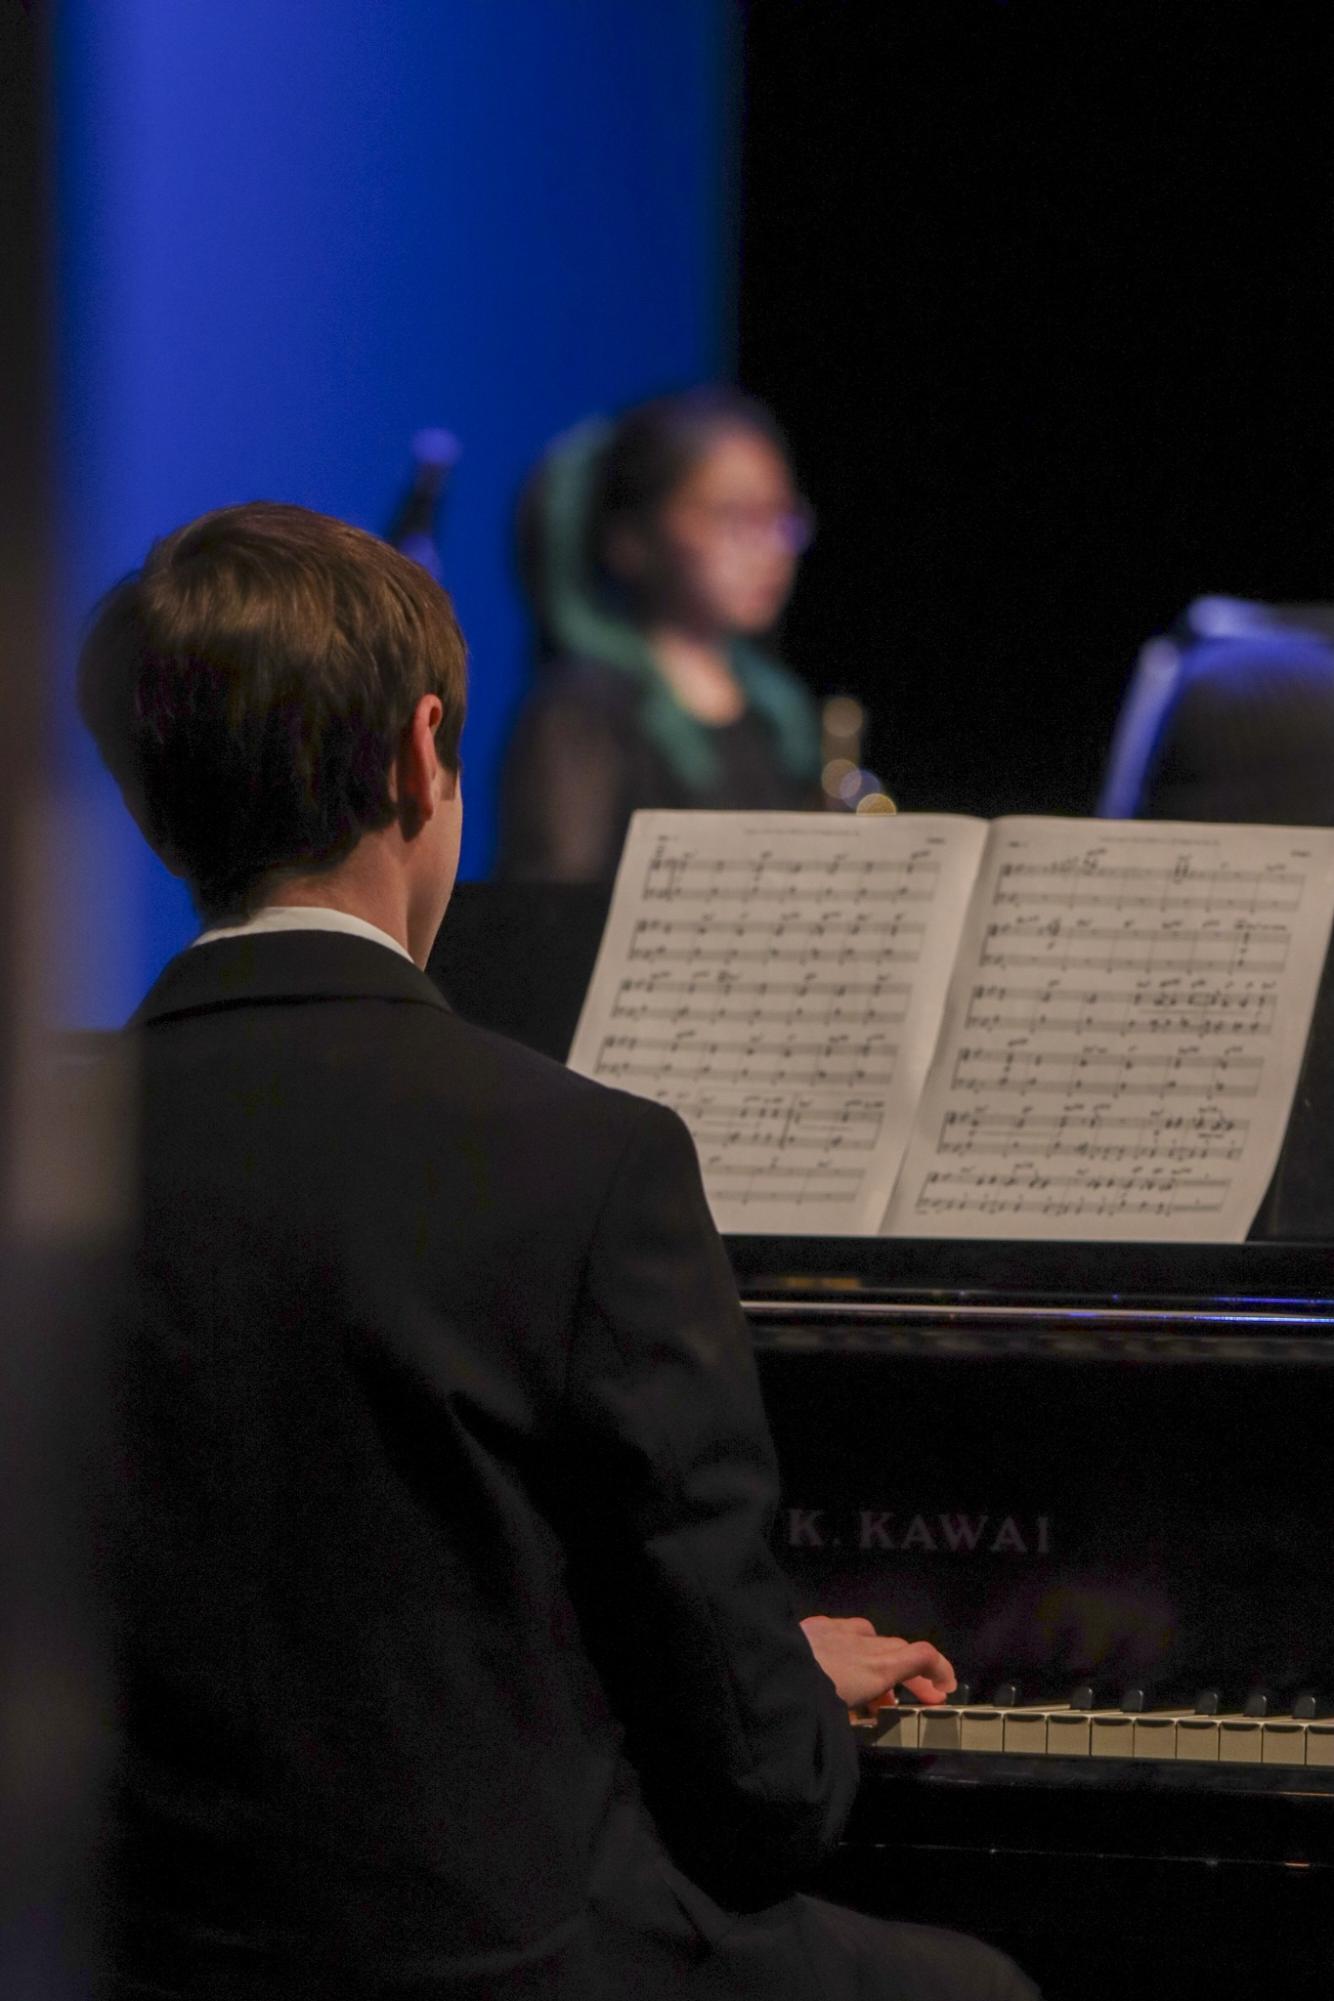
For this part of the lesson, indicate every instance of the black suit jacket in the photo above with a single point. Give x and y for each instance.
(444, 1574)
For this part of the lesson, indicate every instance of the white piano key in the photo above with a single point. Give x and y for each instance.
(1111, 1734)
(1240, 1740)
(1025, 1732)
(1320, 1744)
(983, 1730)
(1068, 1733)
(896, 1729)
(1197, 1739)
(1155, 1734)
(1284, 1742)
(939, 1729)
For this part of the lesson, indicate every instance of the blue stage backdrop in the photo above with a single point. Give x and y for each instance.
(291, 234)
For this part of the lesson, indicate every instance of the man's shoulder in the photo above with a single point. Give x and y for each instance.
(490, 1065)
(559, 1145)
(396, 1095)
(433, 1045)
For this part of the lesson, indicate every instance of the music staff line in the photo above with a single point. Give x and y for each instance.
(1205, 1120)
(818, 954)
(840, 868)
(1059, 1210)
(1105, 1152)
(751, 1143)
(1129, 934)
(1094, 867)
(1198, 1027)
(1058, 1139)
(725, 982)
(1087, 1195)
(779, 1121)
(1212, 952)
(622, 1070)
(757, 892)
(1126, 900)
(748, 1015)
(718, 1143)
(797, 1185)
(726, 1000)
(725, 985)
(825, 920)
(688, 1041)
(1038, 1180)
(1048, 1007)
(1100, 1074)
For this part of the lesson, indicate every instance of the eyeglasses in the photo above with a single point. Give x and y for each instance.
(753, 527)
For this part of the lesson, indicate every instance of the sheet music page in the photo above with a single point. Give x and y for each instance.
(1123, 1033)
(778, 979)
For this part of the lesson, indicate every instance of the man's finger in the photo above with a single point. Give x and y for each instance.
(918, 1660)
(929, 1691)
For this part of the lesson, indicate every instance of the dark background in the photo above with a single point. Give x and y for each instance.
(1044, 295)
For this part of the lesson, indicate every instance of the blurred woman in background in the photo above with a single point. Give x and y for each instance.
(656, 552)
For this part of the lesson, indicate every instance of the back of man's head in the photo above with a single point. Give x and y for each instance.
(249, 687)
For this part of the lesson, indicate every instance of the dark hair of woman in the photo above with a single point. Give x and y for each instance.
(653, 449)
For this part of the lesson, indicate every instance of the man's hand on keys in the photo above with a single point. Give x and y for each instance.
(866, 1667)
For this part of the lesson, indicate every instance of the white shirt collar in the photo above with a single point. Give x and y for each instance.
(303, 917)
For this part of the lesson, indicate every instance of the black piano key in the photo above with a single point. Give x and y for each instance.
(1006, 1696)
(1089, 1695)
(1144, 1695)
(1147, 1695)
(1255, 1699)
(959, 1698)
(1312, 1705)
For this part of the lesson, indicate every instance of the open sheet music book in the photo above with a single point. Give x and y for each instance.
(923, 1025)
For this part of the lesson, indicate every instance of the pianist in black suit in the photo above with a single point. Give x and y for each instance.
(454, 1659)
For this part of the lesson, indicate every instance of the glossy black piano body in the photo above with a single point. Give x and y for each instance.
(1064, 1463)
(1061, 1485)
(1075, 1464)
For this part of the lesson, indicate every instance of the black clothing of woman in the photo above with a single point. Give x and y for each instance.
(580, 764)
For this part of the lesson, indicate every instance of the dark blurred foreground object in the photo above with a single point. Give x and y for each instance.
(52, 1381)
(1124, 1484)
(58, 1394)
(1230, 716)
(415, 528)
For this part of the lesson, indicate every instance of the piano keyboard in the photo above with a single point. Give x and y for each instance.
(1062, 1731)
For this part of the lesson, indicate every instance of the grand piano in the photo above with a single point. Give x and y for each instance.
(1101, 1478)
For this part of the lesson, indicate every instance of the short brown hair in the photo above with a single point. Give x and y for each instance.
(249, 686)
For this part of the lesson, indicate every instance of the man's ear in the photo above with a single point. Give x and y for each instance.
(413, 776)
